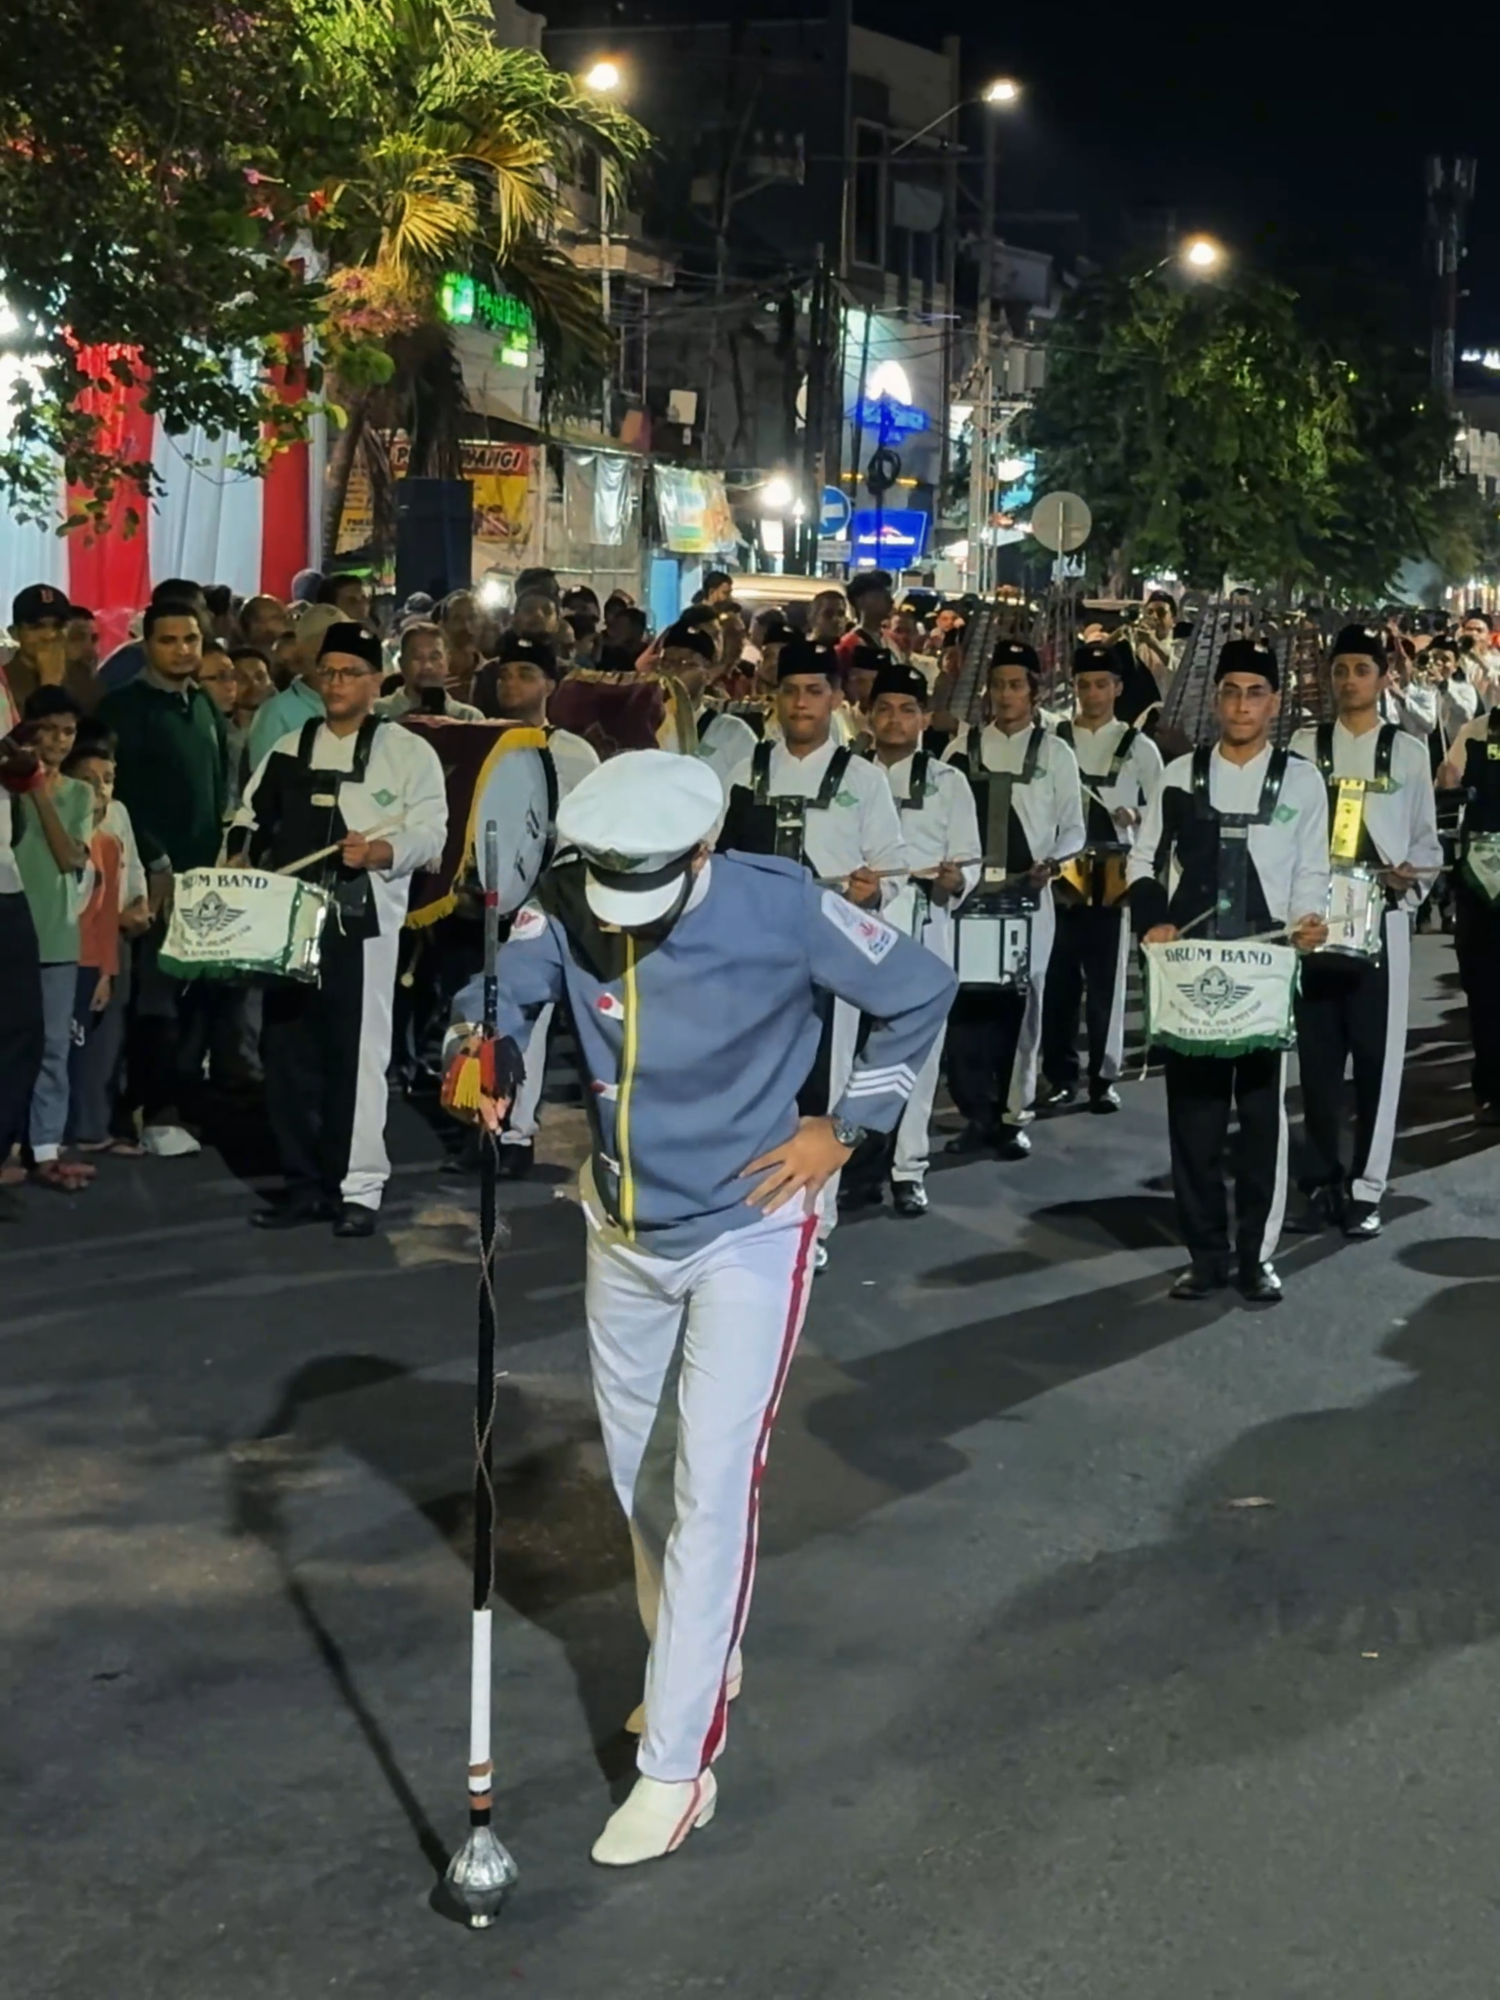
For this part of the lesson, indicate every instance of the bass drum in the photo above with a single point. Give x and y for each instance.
(493, 771)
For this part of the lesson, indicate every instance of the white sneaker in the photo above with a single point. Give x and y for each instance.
(655, 1820)
(169, 1142)
(820, 1258)
(635, 1722)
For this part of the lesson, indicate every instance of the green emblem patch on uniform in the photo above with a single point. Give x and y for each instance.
(1284, 813)
(846, 798)
(384, 798)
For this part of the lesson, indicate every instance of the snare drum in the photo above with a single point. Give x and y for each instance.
(992, 941)
(1224, 999)
(1094, 879)
(1356, 910)
(235, 923)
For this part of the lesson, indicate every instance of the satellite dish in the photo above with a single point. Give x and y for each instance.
(1061, 522)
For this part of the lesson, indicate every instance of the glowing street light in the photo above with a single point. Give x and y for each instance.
(1202, 253)
(603, 76)
(776, 495)
(1004, 90)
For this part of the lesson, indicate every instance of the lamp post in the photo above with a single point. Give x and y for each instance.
(605, 77)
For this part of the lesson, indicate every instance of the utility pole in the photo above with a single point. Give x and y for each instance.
(980, 565)
(1450, 189)
(604, 301)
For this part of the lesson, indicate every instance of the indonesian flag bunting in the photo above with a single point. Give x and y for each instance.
(208, 520)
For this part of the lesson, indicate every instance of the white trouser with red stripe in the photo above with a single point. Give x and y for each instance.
(690, 1356)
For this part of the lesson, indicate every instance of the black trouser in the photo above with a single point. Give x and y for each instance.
(1343, 1018)
(1200, 1090)
(21, 1037)
(325, 1050)
(1081, 972)
(1476, 938)
(158, 1072)
(984, 1032)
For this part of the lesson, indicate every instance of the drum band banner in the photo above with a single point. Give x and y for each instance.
(1220, 999)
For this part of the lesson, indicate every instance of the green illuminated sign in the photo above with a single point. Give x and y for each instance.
(465, 301)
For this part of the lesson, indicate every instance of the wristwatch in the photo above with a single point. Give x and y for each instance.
(847, 1135)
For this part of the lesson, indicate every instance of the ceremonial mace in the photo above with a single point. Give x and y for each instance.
(482, 1873)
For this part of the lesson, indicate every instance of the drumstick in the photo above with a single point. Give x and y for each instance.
(322, 853)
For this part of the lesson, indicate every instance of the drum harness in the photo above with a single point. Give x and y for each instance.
(997, 802)
(1101, 827)
(308, 816)
(1217, 864)
(1349, 839)
(780, 821)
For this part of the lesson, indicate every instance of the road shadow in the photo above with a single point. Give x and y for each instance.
(1320, 1560)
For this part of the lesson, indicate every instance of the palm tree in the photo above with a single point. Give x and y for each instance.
(462, 149)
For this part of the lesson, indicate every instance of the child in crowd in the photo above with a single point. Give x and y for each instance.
(116, 910)
(53, 827)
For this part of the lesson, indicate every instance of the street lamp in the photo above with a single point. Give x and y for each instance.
(776, 495)
(604, 77)
(1004, 90)
(1202, 253)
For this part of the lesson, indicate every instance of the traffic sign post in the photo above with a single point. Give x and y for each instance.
(1061, 522)
(833, 520)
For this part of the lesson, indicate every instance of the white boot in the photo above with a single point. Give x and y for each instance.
(635, 1722)
(655, 1820)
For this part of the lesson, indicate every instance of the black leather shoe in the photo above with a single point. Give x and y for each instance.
(513, 1162)
(1361, 1221)
(293, 1213)
(909, 1197)
(1198, 1281)
(355, 1220)
(1259, 1285)
(1012, 1144)
(1320, 1208)
(972, 1139)
(1105, 1100)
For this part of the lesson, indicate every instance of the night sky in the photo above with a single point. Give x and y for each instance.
(1290, 130)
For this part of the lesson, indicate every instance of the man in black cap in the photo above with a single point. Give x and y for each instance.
(1030, 821)
(375, 791)
(1120, 768)
(1352, 1006)
(941, 831)
(1243, 829)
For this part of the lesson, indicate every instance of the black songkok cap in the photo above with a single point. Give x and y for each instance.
(537, 652)
(1361, 639)
(808, 656)
(895, 679)
(1248, 656)
(1099, 656)
(351, 638)
(1015, 653)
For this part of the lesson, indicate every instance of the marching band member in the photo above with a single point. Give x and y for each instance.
(525, 675)
(941, 831)
(376, 790)
(1120, 769)
(811, 799)
(690, 656)
(695, 982)
(1244, 830)
(1031, 822)
(1382, 819)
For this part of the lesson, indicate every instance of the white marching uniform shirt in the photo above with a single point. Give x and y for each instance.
(573, 757)
(861, 829)
(1050, 809)
(726, 743)
(944, 827)
(403, 792)
(1402, 826)
(1140, 774)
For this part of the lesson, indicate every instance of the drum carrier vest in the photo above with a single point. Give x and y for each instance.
(1001, 834)
(758, 823)
(1348, 837)
(1213, 856)
(1482, 780)
(1100, 829)
(303, 814)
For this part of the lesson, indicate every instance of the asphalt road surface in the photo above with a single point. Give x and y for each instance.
(1102, 1646)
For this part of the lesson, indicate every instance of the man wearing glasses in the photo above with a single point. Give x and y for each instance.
(374, 791)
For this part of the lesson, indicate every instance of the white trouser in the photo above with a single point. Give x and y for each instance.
(1023, 1074)
(844, 1036)
(913, 1140)
(1371, 1184)
(691, 1355)
(520, 1129)
(1114, 1041)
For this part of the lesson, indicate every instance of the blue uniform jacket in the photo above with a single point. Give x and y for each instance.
(694, 1046)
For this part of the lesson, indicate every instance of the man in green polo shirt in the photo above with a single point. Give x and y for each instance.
(170, 771)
